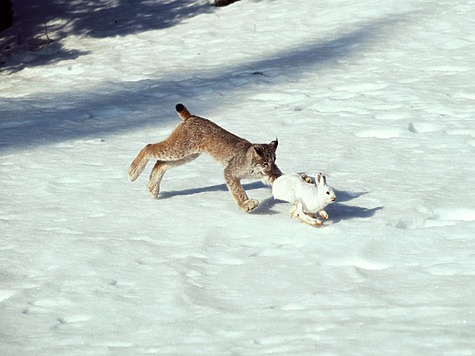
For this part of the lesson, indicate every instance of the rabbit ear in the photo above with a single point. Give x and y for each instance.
(320, 179)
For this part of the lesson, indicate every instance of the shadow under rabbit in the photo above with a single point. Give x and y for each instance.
(336, 211)
(344, 196)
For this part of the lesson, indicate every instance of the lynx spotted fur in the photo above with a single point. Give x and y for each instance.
(240, 158)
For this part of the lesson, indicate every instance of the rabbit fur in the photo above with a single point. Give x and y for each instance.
(306, 198)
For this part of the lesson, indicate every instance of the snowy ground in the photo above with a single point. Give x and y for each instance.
(378, 95)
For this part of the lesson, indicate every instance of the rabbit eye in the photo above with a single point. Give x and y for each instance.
(328, 193)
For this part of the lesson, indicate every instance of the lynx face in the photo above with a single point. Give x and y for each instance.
(263, 160)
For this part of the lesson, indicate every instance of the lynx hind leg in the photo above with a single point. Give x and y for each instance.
(156, 176)
(169, 150)
(159, 170)
(138, 164)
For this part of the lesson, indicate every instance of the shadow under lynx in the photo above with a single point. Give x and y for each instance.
(240, 158)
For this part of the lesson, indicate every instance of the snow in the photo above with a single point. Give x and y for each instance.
(379, 96)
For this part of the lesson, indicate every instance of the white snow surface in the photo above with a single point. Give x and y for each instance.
(378, 95)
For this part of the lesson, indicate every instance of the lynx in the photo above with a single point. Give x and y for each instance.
(240, 158)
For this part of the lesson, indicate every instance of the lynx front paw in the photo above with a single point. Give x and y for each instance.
(249, 205)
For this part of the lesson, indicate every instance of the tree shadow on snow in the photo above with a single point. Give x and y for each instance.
(45, 53)
(115, 108)
(43, 25)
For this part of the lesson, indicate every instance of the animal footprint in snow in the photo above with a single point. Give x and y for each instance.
(307, 199)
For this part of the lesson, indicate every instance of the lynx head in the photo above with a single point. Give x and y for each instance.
(263, 160)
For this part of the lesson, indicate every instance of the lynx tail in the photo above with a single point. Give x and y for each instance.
(182, 111)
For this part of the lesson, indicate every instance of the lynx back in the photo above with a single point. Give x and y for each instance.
(195, 135)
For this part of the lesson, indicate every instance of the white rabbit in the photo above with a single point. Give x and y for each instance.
(307, 198)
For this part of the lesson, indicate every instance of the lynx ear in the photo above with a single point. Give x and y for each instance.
(258, 150)
(274, 144)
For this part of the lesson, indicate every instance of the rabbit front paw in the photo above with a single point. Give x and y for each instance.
(323, 214)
